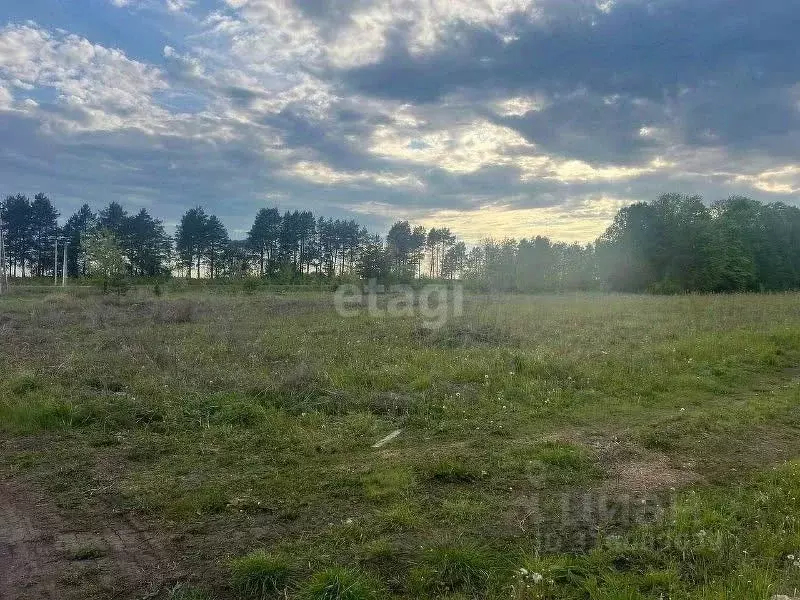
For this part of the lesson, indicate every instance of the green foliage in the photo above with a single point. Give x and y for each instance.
(250, 285)
(676, 244)
(30, 226)
(105, 257)
(673, 244)
(118, 284)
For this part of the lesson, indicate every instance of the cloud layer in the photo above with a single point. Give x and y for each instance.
(495, 117)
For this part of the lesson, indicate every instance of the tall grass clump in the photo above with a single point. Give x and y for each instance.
(339, 583)
(259, 575)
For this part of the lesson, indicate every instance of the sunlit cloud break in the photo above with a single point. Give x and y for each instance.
(497, 117)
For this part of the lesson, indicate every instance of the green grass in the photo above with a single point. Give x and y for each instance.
(86, 552)
(259, 575)
(452, 569)
(340, 584)
(532, 429)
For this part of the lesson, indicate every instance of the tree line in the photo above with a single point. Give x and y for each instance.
(31, 232)
(293, 244)
(675, 243)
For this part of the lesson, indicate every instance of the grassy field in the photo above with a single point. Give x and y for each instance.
(219, 444)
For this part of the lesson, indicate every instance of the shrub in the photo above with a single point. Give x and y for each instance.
(250, 285)
(118, 284)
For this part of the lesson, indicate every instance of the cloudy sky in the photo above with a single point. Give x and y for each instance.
(492, 117)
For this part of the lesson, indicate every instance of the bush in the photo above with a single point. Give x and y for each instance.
(118, 284)
(250, 285)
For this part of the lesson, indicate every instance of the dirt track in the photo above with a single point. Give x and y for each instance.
(45, 553)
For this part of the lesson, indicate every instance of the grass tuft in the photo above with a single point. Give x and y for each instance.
(185, 592)
(451, 471)
(340, 584)
(448, 569)
(88, 552)
(24, 384)
(259, 575)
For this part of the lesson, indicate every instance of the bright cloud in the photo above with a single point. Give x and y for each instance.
(515, 117)
(101, 87)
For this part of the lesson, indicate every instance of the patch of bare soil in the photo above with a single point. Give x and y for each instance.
(651, 474)
(640, 487)
(45, 553)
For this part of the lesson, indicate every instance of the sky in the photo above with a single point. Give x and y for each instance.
(492, 117)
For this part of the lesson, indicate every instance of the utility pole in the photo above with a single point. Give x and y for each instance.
(3, 273)
(55, 265)
(64, 266)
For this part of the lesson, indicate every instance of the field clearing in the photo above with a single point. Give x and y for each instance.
(219, 444)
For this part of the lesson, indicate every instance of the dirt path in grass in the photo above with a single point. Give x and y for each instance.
(48, 553)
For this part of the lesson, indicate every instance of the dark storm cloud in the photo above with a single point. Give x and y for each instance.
(592, 128)
(725, 68)
(338, 140)
(743, 119)
(642, 49)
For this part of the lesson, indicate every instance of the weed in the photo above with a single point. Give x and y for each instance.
(202, 501)
(178, 311)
